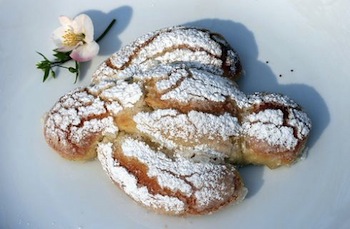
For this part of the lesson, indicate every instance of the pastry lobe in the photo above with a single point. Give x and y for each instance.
(197, 48)
(275, 130)
(180, 87)
(196, 135)
(82, 117)
(175, 186)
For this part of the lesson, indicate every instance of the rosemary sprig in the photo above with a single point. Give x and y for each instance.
(49, 67)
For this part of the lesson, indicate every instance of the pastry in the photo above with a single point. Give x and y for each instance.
(171, 133)
(274, 129)
(194, 47)
(81, 118)
(169, 185)
(183, 120)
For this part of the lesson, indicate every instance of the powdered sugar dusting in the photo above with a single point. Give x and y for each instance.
(267, 125)
(73, 118)
(222, 126)
(267, 116)
(124, 55)
(200, 85)
(104, 72)
(283, 125)
(207, 183)
(129, 183)
(272, 134)
(300, 121)
(98, 88)
(164, 40)
(260, 98)
(114, 107)
(105, 126)
(176, 160)
(87, 112)
(126, 94)
(193, 59)
(169, 82)
(194, 47)
(157, 163)
(167, 125)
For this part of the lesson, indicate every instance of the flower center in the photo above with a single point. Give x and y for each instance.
(72, 39)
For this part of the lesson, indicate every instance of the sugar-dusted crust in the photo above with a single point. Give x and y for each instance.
(186, 117)
(198, 48)
(275, 130)
(169, 130)
(185, 89)
(175, 186)
(82, 117)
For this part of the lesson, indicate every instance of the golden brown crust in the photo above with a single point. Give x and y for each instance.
(155, 97)
(75, 124)
(82, 117)
(194, 47)
(170, 185)
(169, 134)
(260, 153)
(275, 129)
(268, 129)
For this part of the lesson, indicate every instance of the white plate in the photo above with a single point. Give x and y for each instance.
(41, 190)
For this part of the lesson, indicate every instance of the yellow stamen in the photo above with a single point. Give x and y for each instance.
(72, 39)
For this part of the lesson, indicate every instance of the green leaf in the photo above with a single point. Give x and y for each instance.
(44, 64)
(53, 73)
(41, 65)
(62, 56)
(46, 74)
(43, 56)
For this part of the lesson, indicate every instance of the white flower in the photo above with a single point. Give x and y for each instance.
(77, 36)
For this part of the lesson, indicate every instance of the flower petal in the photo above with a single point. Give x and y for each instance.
(57, 38)
(65, 21)
(85, 52)
(83, 24)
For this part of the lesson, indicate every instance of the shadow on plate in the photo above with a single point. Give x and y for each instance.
(259, 77)
(253, 178)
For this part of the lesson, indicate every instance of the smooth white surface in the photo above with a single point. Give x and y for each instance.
(41, 190)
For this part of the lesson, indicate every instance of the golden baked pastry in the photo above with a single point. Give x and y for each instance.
(199, 48)
(169, 185)
(185, 125)
(81, 118)
(170, 134)
(275, 130)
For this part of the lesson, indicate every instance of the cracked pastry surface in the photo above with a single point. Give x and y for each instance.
(169, 185)
(119, 120)
(170, 132)
(197, 48)
(275, 130)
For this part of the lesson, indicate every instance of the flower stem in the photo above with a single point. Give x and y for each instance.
(106, 30)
